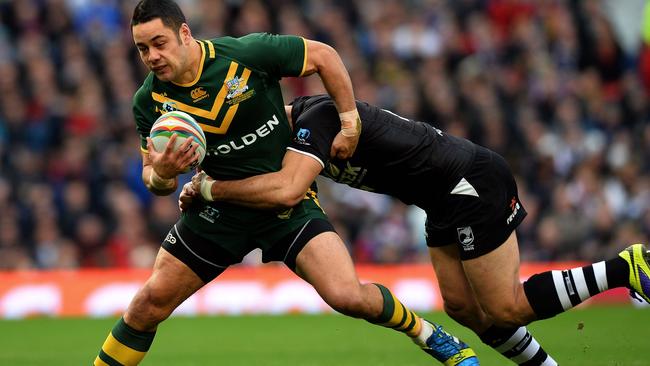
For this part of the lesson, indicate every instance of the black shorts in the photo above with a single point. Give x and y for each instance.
(481, 212)
(208, 260)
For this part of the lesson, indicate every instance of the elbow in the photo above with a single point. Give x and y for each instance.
(288, 199)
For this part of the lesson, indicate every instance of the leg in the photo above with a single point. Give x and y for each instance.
(457, 294)
(460, 303)
(511, 304)
(544, 295)
(169, 285)
(494, 277)
(325, 263)
(553, 292)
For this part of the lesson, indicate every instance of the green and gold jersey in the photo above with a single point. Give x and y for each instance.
(235, 98)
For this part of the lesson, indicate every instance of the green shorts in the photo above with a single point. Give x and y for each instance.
(212, 236)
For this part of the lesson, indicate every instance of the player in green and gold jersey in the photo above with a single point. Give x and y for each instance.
(231, 87)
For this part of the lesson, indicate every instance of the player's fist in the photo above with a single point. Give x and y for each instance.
(343, 147)
(186, 197)
(171, 162)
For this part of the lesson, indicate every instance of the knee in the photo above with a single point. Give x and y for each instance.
(147, 309)
(467, 313)
(506, 315)
(350, 303)
(513, 311)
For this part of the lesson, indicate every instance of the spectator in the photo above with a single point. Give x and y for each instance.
(560, 88)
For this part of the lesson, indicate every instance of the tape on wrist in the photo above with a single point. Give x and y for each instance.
(206, 189)
(159, 182)
(350, 123)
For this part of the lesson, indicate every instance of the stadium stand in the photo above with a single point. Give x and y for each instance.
(560, 88)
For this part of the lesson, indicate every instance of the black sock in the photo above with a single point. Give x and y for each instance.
(518, 345)
(553, 292)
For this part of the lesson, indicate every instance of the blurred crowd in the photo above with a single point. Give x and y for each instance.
(558, 87)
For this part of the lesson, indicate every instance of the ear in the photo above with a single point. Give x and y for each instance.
(185, 34)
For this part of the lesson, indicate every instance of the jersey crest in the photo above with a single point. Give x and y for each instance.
(168, 106)
(237, 90)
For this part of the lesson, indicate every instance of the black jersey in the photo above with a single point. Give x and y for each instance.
(412, 161)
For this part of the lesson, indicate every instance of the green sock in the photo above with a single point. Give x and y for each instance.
(124, 346)
(397, 316)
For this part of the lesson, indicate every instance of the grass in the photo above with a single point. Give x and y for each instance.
(610, 336)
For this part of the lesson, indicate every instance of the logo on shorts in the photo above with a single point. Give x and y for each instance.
(286, 214)
(209, 214)
(514, 206)
(170, 238)
(466, 237)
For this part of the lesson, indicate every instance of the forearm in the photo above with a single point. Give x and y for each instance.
(268, 191)
(325, 61)
(282, 189)
(337, 82)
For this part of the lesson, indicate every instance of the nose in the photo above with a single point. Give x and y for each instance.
(153, 55)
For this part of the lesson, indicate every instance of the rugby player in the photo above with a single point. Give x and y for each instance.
(472, 206)
(231, 87)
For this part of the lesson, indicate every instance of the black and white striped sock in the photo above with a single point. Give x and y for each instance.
(553, 292)
(518, 345)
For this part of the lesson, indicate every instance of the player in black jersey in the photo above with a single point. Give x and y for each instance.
(231, 87)
(472, 206)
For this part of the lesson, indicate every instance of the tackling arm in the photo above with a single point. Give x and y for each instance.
(325, 61)
(282, 189)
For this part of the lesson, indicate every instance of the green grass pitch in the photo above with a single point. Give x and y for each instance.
(609, 336)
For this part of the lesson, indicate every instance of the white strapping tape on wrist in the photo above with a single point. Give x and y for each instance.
(159, 182)
(206, 188)
(350, 123)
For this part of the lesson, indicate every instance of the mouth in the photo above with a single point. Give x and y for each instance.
(158, 69)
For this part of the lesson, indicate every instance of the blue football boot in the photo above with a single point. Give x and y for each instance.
(448, 349)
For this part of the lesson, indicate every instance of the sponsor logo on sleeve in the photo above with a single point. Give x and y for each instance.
(302, 136)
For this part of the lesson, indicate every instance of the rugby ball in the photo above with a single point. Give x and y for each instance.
(184, 126)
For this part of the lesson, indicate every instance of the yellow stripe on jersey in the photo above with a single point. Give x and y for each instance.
(211, 52)
(198, 74)
(233, 109)
(121, 353)
(212, 113)
(311, 194)
(304, 58)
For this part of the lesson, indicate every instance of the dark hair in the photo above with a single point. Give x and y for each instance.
(168, 11)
